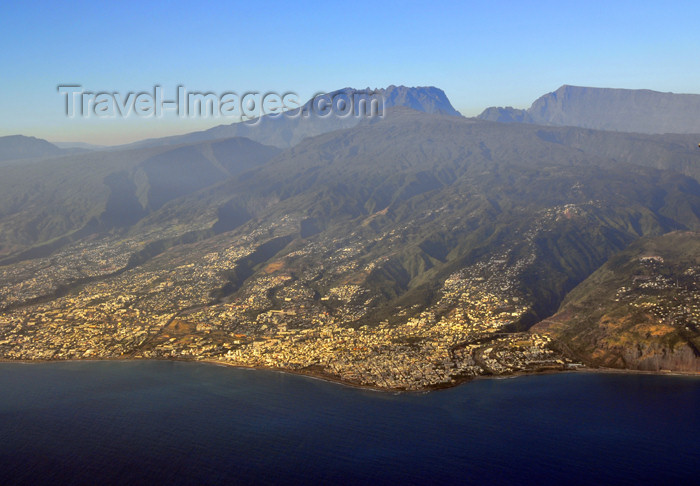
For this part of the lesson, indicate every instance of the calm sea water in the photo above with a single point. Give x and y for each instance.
(186, 423)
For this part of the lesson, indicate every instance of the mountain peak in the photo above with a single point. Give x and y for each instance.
(427, 99)
(421, 98)
(288, 130)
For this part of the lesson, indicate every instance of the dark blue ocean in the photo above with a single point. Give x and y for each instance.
(185, 423)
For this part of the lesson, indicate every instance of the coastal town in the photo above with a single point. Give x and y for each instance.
(297, 313)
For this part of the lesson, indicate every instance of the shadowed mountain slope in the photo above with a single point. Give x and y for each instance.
(45, 200)
(443, 193)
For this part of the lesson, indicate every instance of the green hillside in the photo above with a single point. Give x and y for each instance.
(641, 310)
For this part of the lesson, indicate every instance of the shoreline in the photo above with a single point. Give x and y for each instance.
(317, 375)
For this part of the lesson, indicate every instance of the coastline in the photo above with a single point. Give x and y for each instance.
(328, 378)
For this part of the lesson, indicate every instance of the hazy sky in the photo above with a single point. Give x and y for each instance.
(480, 53)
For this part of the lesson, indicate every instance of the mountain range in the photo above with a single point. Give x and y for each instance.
(298, 124)
(400, 229)
(623, 110)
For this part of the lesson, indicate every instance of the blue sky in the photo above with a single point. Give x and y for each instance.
(481, 53)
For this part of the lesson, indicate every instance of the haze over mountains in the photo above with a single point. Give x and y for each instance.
(15, 147)
(47, 200)
(290, 129)
(418, 221)
(624, 110)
